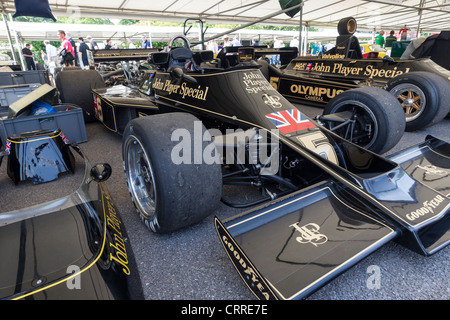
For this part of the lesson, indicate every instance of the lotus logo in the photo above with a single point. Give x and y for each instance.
(273, 101)
(309, 233)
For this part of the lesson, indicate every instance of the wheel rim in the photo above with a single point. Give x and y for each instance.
(140, 177)
(412, 99)
(364, 131)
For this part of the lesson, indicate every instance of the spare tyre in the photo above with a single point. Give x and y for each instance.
(74, 87)
(347, 26)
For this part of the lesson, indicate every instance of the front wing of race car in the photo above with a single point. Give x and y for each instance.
(292, 246)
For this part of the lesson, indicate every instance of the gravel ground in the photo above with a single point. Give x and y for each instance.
(191, 264)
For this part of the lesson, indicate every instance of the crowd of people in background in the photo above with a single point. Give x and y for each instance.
(71, 53)
(385, 43)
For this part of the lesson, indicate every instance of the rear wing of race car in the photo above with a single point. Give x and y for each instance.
(231, 56)
(115, 55)
(292, 246)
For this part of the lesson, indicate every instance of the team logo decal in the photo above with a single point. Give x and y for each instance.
(288, 121)
(309, 233)
(272, 101)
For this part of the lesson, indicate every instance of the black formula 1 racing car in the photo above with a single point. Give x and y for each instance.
(326, 202)
(61, 246)
(421, 85)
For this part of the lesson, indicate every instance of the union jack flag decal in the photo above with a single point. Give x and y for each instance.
(309, 66)
(64, 138)
(8, 147)
(288, 121)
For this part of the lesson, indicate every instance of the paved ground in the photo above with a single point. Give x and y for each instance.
(191, 263)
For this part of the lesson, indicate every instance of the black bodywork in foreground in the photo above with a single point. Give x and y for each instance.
(326, 203)
(74, 247)
(421, 85)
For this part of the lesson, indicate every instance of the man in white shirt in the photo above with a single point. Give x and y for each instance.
(294, 42)
(329, 46)
(52, 54)
(227, 42)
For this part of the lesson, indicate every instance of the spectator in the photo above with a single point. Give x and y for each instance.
(84, 61)
(130, 44)
(69, 56)
(227, 42)
(236, 42)
(92, 43)
(315, 49)
(390, 39)
(329, 46)
(74, 46)
(52, 53)
(108, 45)
(380, 39)
(294, 42)
(145, 43)
(255, 42)
(212, 46)
(29, 59)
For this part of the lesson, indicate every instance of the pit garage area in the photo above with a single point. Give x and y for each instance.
(81, 236)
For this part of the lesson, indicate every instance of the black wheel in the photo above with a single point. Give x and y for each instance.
(74, 86)
(374, 119)
(168, 196)
(347, 26)
(424, 96)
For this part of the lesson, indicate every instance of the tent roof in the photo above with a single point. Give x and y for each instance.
(378, 14)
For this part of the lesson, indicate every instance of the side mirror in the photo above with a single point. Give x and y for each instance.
(101, 172)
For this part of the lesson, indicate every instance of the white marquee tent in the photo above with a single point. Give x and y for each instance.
(372, 16)
(432, 15)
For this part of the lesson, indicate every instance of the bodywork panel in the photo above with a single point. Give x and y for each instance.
(74, 247)
(316, 81)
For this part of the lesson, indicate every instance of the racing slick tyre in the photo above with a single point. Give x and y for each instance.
(424, 96)
(347, 26)
(169, 195)
(377, 121)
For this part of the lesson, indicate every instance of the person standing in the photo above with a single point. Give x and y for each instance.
(84, 61)
(69, 56)
(108, 45)
(315, 49)
(74, 46)
(52, 53)
(380, 39)
(390, 39)
(92, 43)
(29, 58)
(145, 43)
(227, 42)
(131, 44)
(294, 42)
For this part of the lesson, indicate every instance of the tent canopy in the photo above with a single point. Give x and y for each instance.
(371, 15)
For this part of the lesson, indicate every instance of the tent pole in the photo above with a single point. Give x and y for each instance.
(8, 33)
(300, 46)
(420, 18)
(19, 48)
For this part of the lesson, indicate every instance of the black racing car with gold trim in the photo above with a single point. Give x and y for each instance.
(324, 203)
(71, 248)
(421, 85)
